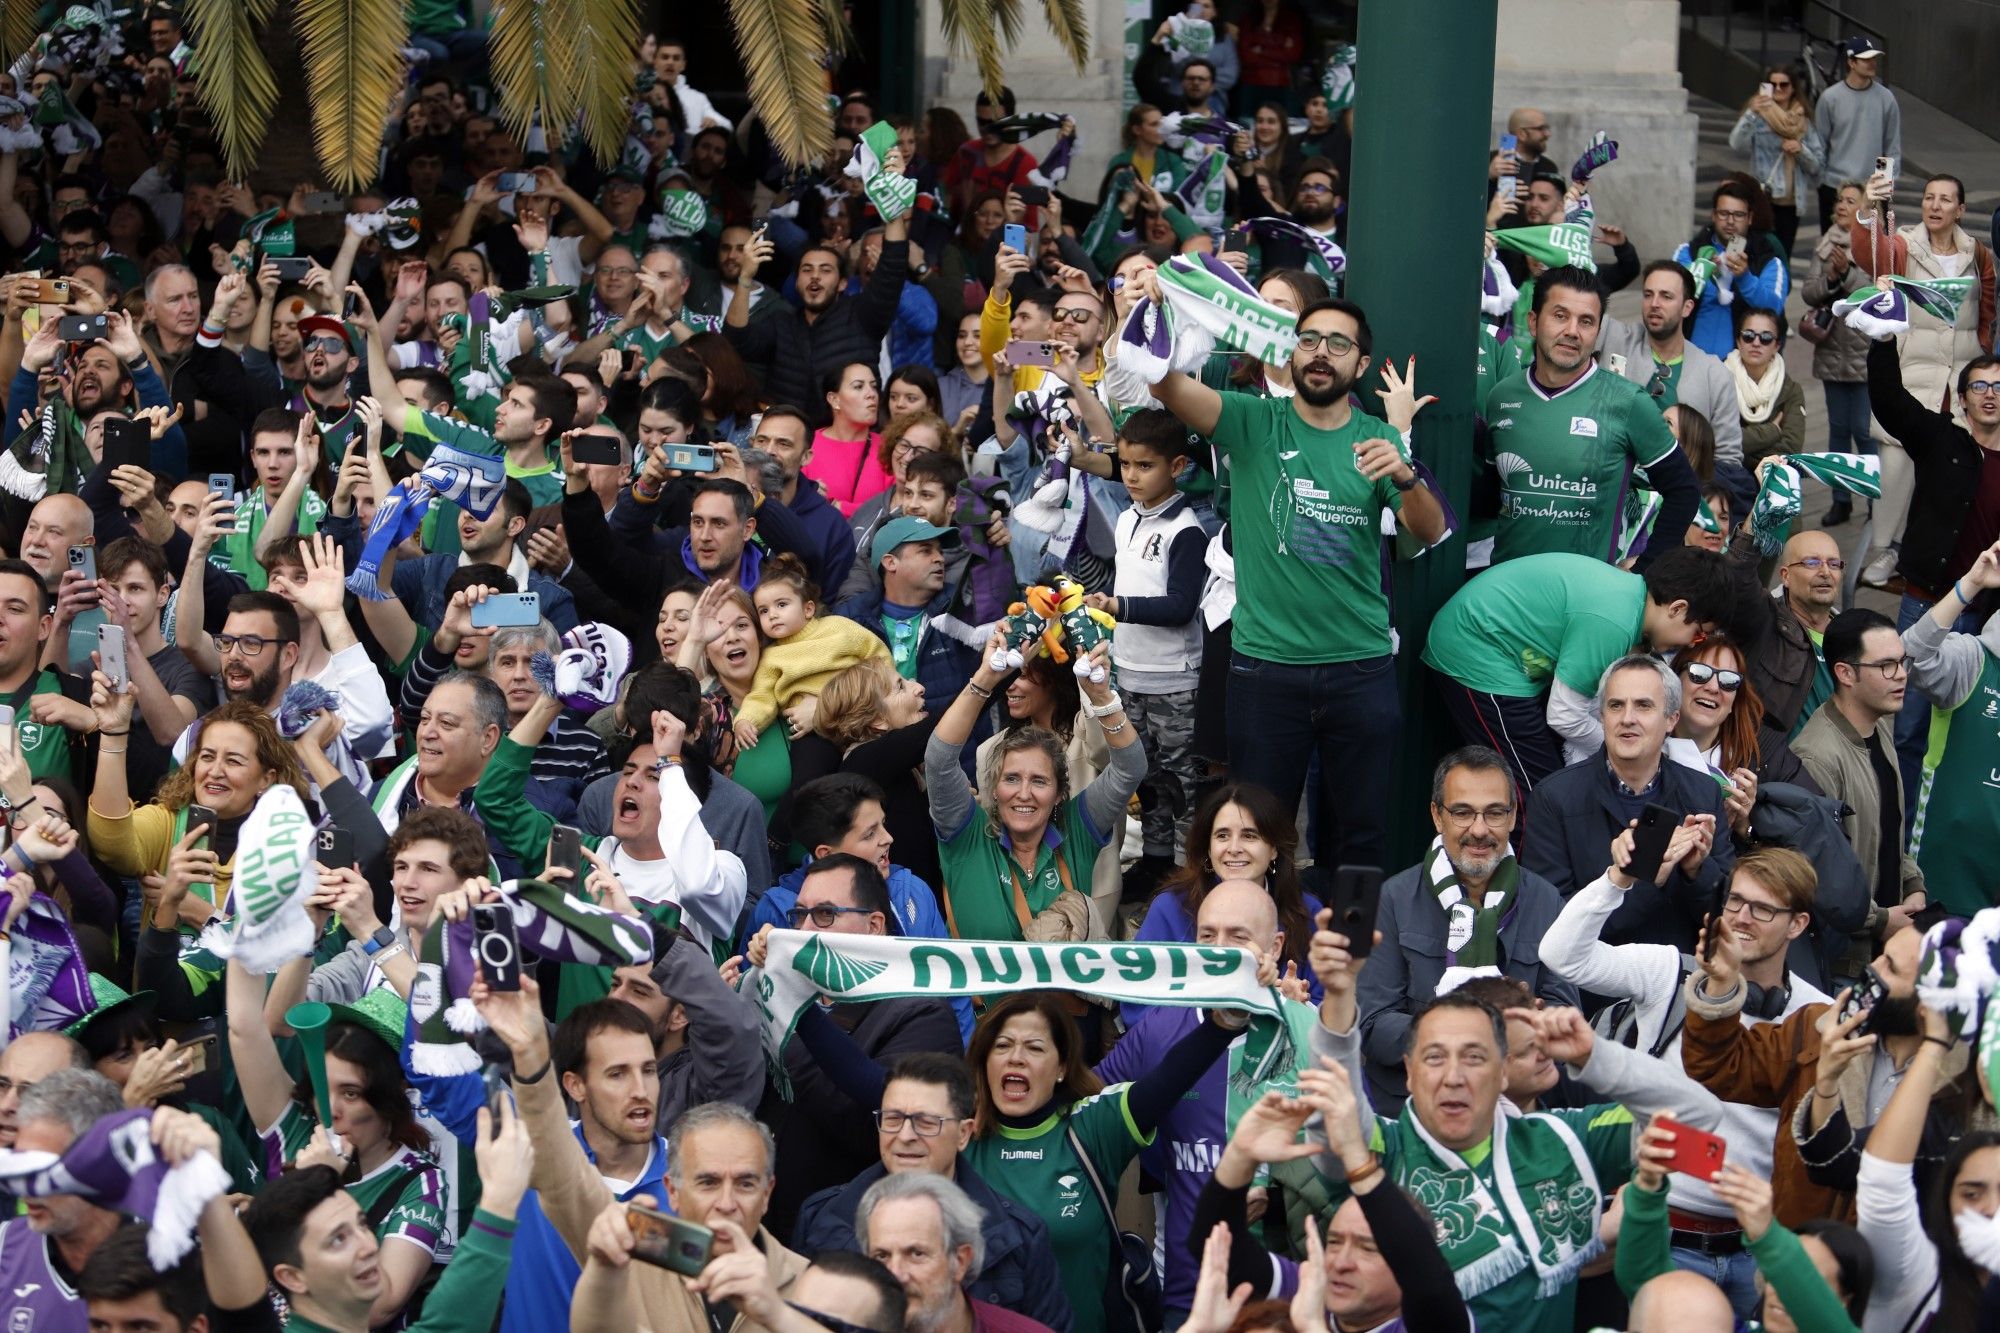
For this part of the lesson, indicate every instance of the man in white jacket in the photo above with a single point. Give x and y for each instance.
(669, 66)
(1768, 905)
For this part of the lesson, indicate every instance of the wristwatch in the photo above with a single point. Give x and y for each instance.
(380, 940)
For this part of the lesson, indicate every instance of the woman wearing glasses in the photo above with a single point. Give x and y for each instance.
(1786, 152)
(1722, 715)
(1772, 403)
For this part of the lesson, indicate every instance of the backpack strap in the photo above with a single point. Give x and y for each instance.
(1676, 1009)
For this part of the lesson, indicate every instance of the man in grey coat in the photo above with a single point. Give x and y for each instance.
(1467, 909)
(1654, 353)
(709, 1037)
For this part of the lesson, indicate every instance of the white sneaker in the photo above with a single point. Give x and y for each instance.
(1881, 569)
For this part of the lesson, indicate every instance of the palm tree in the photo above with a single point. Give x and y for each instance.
(555, 62)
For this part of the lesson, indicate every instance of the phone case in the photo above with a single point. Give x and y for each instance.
(1697, 1153)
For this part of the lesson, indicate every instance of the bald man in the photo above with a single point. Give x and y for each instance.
(1787, 669)
(1681, 1303)
(1531, 128)
(56, 523)
(1238, 914)
(28, 1059)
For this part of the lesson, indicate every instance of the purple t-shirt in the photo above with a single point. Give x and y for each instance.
(35, 1299)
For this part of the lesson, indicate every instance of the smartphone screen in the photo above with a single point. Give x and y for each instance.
(1015, 236)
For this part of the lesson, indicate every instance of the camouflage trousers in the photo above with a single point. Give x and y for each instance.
(1165, 723)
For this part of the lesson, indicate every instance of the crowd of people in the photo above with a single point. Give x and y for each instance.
(685, 744)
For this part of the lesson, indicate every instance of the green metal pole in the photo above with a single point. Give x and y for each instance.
(1422, 111)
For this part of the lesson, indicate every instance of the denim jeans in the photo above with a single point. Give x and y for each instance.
(1847, 418)
(1350, 715)
(1735, 1273)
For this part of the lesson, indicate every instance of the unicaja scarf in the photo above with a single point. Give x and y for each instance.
(1472, 929)
(1957, 976)
(1780, 498)
(550, 923)
(50, 456)
(273, 877)
(1557, 244)
(1336, 84)
(1546, 1214)
(891, 194)
(472, 481)
(113, 1165)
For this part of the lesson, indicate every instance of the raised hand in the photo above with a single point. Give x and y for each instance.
(1400, 403)
(668, 733)
(157, 1073)
(1748, 1197)
(1215, 1306)
(1562, 1032)
(506, 1156)
(1656, 1152)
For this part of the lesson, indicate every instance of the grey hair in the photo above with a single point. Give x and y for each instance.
(541, 634)
(1478, 758)
(963, 1220)
(76, 1098)
(762, 464)
(708, 1116)
(489, 701)
(1670, 683)
(163, 271)
(680, 263)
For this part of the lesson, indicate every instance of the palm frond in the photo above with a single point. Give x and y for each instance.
(18, 28)
(234, 79)
(353, 53)
(1007, 13)
(781, 42)
(968, 26)
(609, 33)
(1072, 29)
(535, 49)
(840, 38)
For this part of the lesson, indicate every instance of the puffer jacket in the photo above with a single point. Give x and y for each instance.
(1930, 352)
(1843, 357)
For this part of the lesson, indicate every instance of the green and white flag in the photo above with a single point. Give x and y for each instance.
(1204, 293)
(1703, 268)
(1781, 497)
(1336, 84)
(1556, 244)
(1940, 298)
(1189, 35)
(892, 194)
(683, 211)
(273, 877)
(803, 965)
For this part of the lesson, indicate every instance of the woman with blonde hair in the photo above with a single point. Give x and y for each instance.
(872, 722)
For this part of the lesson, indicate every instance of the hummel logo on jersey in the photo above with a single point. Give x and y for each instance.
(1584, 426)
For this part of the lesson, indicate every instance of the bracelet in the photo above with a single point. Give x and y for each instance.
(1373, 1167)
(1113, 731)
(1942, 1041)
(538, 1075)
(1826, 1096)
(1960, 591)
(665, 762)
(126, 732)
(105, 749)
(978, 690)
(1115, 704)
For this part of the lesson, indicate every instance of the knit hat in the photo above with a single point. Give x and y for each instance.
(586, 673)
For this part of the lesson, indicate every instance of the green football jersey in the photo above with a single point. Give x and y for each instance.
(421, 1211)
(1560, 616)
(1565, 460)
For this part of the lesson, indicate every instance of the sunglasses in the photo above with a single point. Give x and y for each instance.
(325, 343)
(1656, 387)
(1701, 673)
(1761, 336)
(1073, 315)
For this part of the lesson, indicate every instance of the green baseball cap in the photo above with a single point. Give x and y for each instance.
(907, 528)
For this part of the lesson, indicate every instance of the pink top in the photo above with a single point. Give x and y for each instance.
(847, 470)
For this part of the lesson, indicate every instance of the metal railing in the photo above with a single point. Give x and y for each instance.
(1817, 26)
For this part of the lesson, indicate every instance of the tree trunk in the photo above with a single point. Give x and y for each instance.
(287, 156)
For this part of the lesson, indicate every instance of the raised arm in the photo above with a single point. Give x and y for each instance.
(190, 636)
(1945, 665)
(950, 799)
(285, 509)
(267, 1088)
(1198, 406)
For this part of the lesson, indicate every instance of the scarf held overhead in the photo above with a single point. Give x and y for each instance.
(473, 482)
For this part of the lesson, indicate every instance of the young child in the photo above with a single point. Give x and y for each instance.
(1161, 565)
(802, 650)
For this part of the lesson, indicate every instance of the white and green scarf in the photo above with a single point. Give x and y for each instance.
(273, 877)
(1556, 244)
(1472, 930)
(1780, 499)
(1549, 1197)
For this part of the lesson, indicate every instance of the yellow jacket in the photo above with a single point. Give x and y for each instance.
(995, 328)
(139, 841)
(804, 663)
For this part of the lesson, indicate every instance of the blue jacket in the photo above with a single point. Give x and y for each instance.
(1020, 1273)
(1763, 284)
(543, 1273)
(420, 585)
(944, 663)
(912, 901)
(829, 535)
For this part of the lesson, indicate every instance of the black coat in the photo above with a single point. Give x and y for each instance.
(1948, 462)
(793, 355)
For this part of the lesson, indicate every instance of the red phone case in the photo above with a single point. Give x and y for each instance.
(1697, 1152)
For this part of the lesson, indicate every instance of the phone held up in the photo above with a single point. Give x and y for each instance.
(1355, 898)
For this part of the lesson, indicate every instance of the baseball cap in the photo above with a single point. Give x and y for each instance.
(312, 324)
(1861, 48)
(907, 528)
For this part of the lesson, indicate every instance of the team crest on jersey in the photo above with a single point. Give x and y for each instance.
(1070, 1194)
(31, 736)
(1584, 426)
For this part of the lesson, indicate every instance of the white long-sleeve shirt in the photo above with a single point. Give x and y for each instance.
(696, 107)
(707, 883)
(1906, 1266)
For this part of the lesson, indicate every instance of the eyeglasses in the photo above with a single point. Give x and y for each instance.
(252, 645)
(1818, 562)
(8, 1085)
(1535, 129)
(616, 270)
(1763, 336)
(928, 1126)
(1464, 816)
(325, 343)
(1701, 673)
(1337, 343)
(1076, 314)
(1315, 187)
(1892, 668)
(1781, 83)
(823, 915)
(1736, 902)
(910, 449)
(1982, 386)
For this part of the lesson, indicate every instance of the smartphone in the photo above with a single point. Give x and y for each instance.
(198, 815)
(1015, 236)
(1029, 354)
(1697, 1152)
(200, 1054)
(1035, 196)
(497, 946)
(83, 559)
(1235, 243)
(1354, 898)
(690, 457)
(497, 1091)
(566, 853)
(55, 291)
(517, 182)
(323, 201)
(1868, 992)
(6, 715)
(290, 268)
(1507, 183)
(1766, 90)
(1884, 166)
(1649, 842)
(83, 328)
(335, 847)
(1711, 924)
(596, 448)
(127, 443)
(111, 656)
(668, 1242)
(1737, 245)
(507, 610)
(222, 484)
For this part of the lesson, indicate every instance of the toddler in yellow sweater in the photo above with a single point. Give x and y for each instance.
(803, 650)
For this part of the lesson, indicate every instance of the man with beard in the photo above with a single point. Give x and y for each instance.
(203, 377)
(41, 1252)
(797, 349)
(1467, 906)
(1848, 745)
(1789, 668)
(46, 703)
(1312, 657)
(1566, 439)
(707, 1036)
(1672, 369)
(328, 362)
(1769, 904)
(731, 253)
(603, 1054)
(1757, 273)
(924, 1229)
(102, 376)
(1827, 1087)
